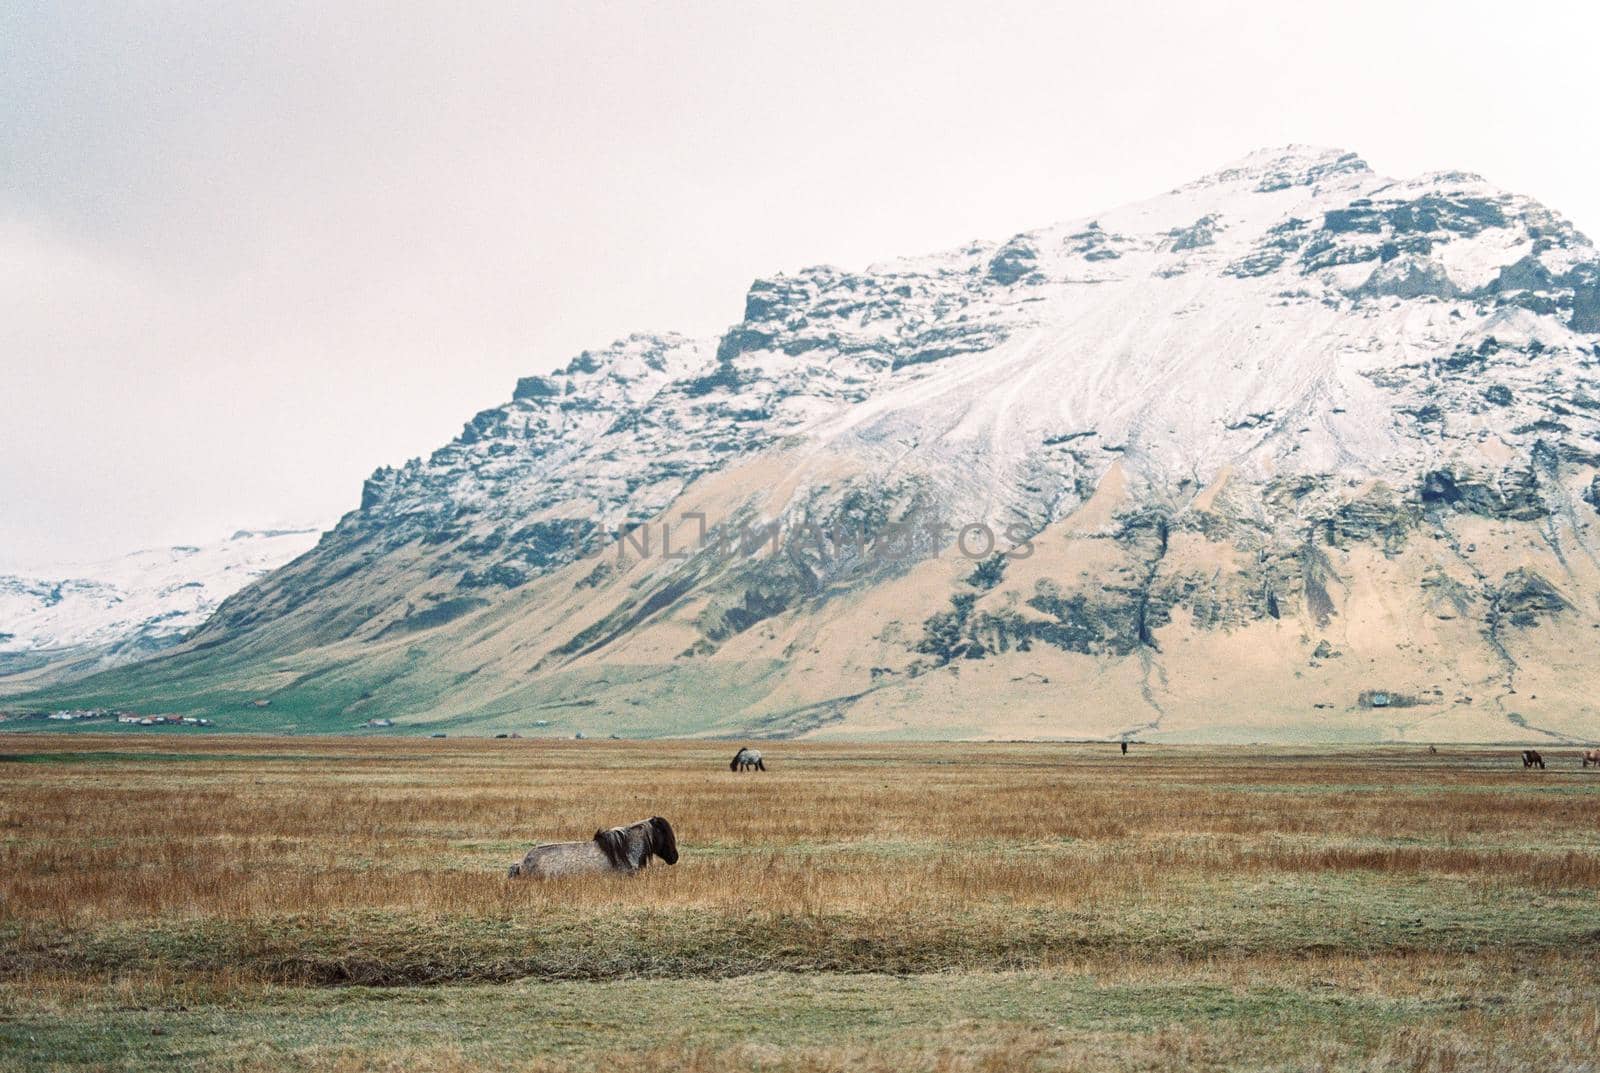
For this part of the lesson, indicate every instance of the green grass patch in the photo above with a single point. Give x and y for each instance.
(761, 1021)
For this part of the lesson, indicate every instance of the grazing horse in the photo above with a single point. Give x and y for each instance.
(1591, 756)
(621, 849)
(745, 759)
(1531, 758)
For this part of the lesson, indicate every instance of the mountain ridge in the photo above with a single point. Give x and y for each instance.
(64, 622)
(1292, 407)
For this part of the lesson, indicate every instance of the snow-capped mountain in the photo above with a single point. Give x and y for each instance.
(79, 618)
(1295, 450)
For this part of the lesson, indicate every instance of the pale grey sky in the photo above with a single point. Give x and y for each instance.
(248, 252)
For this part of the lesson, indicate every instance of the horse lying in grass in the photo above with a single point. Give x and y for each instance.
(745, 759)
(621, 849)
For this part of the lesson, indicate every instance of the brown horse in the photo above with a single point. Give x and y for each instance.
(1531, 758)
(1591, 756)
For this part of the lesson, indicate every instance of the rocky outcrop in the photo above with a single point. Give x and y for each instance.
(1523, 598)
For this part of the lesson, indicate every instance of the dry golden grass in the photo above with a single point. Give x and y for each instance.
(239, 828)
(210, 873)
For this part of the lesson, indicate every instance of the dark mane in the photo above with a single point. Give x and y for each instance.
(614, 844)
(663, 842)
(733, 765)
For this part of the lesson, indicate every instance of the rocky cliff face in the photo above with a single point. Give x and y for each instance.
(1230, 462)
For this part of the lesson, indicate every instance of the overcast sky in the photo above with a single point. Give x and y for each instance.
(249, 252)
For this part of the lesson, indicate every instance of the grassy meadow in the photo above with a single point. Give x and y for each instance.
(237, 903)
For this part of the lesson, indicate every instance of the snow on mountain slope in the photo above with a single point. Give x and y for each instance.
(1293, 408)
(121, 609)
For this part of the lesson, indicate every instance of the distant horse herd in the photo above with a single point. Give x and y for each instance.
(628, 849)
(1531, 758)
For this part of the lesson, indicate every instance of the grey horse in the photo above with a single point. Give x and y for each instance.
(621, 849)
(745, 759)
